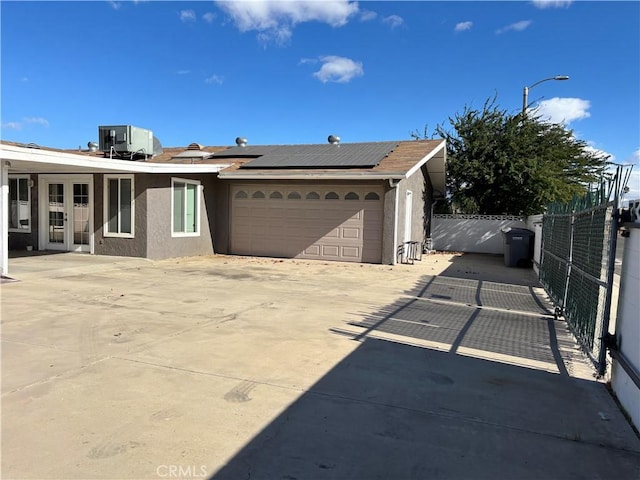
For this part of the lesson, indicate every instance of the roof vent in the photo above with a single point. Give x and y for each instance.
(195, 146)
(93, 146)
(333, 139)
(241, 141)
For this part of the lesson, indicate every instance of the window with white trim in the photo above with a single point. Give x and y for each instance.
(19, 203)
(119, 206)
(185, 207)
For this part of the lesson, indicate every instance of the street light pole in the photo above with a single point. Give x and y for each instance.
(525, 90)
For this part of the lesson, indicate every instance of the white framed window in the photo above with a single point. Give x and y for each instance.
(185, 208)
(119, 206)
(19, 203)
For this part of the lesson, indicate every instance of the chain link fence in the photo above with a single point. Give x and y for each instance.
(578, 253)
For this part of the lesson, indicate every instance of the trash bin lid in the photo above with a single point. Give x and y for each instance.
(522, 232)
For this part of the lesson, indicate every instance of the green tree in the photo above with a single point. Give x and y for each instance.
(499, 163)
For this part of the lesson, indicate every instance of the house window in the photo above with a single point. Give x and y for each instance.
(352, 196)
(275, 195)
(119, 206)
(241, 194)
(372, 196)
(185, 207)
(294, 196)
(313, 196)
(331, 196)
(257, 194)
(19, 204)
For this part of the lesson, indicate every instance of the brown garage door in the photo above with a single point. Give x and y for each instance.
(327, 223)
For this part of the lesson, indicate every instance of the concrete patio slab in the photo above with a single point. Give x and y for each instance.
(232, 367)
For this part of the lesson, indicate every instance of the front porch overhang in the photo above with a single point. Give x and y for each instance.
(16, 159)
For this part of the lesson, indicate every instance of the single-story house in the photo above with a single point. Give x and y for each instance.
(356, 202)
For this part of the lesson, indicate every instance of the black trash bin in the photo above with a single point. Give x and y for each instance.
(518, 247)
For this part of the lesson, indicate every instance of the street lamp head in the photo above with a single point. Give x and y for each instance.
(525, 90)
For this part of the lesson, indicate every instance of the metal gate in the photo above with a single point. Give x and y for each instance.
(577, 264)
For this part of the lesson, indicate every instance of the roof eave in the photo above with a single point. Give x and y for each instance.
(36, 160)
(311, 176)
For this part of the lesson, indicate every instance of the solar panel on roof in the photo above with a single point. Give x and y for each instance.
(313, 156)
(247, 151)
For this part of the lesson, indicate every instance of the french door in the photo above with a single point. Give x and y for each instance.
(66, 212)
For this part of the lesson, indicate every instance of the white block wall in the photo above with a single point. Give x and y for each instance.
(471, 233)
(628, 327)
(534, 223)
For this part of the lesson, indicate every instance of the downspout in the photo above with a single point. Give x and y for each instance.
(4, 229)
(393, 183)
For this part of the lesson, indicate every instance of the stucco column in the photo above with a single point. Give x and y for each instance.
(628, 327)
(4, 218)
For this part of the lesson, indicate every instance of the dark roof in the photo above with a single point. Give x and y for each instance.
(346, 155)
(402, 159)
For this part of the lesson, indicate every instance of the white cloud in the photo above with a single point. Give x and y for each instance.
(563, 110)
(634, 177)
(274, 20)
(552, 3)
(187, 16)
(209, 17)
(116, 5)
(183, 72)
(393, 21)
(462, 26)
(598, 151)
(37, 120)
(214, 79)
(517, 27)
(367, 15)
(12, 126)
(630, 168)
(338, 69)
(26, 120)
(24, 79)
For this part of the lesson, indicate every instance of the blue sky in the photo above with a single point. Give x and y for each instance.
(294, 72)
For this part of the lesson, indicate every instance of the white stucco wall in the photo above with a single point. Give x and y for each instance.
(628, 328)
(534, 223)
(472, 233)
(4, 220)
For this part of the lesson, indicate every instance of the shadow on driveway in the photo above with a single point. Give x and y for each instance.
(463, 377)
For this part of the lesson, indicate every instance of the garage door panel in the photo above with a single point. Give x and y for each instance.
(350, 232)
(351, 252)
(345, 230)
(331, 251)
(313, 250)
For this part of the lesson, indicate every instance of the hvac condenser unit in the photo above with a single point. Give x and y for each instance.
(126, 139)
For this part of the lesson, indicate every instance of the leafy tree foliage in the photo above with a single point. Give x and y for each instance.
(499, 163)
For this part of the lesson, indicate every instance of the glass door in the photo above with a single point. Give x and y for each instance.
(57, 217)
(80, 217)
(67, 215)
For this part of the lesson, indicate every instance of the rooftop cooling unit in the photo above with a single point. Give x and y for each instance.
(126, 140)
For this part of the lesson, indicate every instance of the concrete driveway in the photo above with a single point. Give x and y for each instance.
(229, 367)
